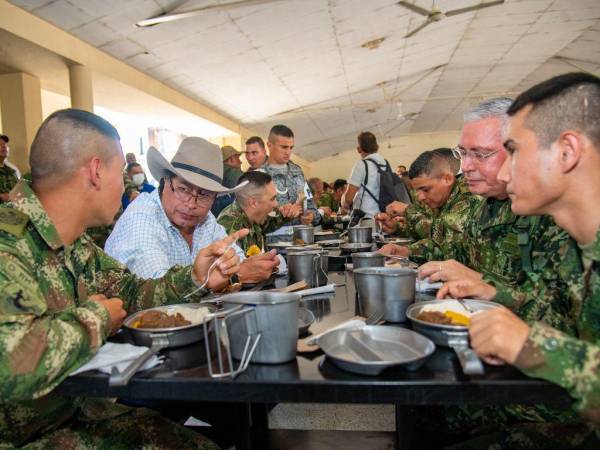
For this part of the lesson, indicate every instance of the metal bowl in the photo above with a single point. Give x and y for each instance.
(305, 320)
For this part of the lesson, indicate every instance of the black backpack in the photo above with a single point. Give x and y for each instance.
(391, 187)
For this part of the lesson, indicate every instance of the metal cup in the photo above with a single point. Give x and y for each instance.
(304, 233)
(310, 266)
(387, 290)
(367, 259)
(360, 234)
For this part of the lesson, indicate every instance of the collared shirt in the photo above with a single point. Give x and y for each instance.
(145, 240)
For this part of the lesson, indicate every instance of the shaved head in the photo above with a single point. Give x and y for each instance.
(68, 139)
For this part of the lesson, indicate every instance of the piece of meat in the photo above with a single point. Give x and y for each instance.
(434, 317)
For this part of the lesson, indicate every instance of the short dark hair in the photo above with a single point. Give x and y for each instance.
(257, 180)
(64, 142)
(569, 101)
(130, 166)
(339, 183)
(402, 165)
(161, 183)
(281, 130)
(255, 140)
(368, 142)
(4, 138)
(256, 177)
(430, 162)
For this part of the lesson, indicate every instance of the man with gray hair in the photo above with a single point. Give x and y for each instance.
(519, 258)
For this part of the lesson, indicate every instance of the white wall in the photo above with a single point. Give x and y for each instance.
(404, 151)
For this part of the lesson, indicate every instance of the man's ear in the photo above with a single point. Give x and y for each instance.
(448, 179)
(570, 150)
(94, 168)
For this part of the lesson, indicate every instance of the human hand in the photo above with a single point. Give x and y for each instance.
(326, 210)
(114, 306)
(449, 270)
(467, 288)
(229, 261)
(387, 223)
(290, 210)
(498, 334)
(258, 268)
(4, 197)
(394, 249)
(307, 218)
(396, 208)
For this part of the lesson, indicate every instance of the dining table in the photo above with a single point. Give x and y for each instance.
(313, 378)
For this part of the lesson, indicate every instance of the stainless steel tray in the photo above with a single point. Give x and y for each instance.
(371, 349)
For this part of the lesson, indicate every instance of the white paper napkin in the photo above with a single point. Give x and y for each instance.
(117, 355)
(426, 285)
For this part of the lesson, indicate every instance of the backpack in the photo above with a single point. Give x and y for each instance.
(391, 187)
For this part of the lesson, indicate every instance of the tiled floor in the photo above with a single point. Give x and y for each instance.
(317, 416)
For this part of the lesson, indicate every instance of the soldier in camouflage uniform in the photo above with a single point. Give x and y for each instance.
(253, 208)
(8, 175)
(287, 176)
(442, 210)
(61, 296)
(527, 263)
(553, 166)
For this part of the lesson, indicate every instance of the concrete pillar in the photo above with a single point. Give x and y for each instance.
(80, 83)
(21, 104)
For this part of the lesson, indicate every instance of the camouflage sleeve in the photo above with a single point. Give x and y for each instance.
(39, 349)
(567, 361)
(115, 280)
(274, 223)
(544, 293)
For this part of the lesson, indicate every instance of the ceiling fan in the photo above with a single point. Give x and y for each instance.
(178, 15)
(435, 15)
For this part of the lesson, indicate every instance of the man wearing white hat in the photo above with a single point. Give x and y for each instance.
(170, 225)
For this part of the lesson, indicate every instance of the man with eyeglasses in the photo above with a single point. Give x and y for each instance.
(170, 225)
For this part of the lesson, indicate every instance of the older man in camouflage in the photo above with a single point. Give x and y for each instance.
(61, 296)
(8, 175)
(553, 167)
(444, 204)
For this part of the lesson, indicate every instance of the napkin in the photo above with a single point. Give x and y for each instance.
(328, 288)
(117, 355)
(426, 285)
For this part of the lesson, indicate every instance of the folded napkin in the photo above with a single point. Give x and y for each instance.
(317, 290)
(117, 355)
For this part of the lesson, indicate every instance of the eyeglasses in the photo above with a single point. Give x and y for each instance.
(461, 153)
(185, 195)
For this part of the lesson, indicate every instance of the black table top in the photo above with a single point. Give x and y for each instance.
(313, 378)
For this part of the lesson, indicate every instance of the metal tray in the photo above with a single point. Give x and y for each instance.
(371, 349)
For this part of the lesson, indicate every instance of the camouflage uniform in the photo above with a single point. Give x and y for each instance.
(446, 224)
(530, 261)
(329, 201)
(233, 219)
(8, 178)
(49, 328)
(289, 180)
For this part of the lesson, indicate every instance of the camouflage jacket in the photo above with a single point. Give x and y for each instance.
(8, 179)
(48, 327)
(290, 180)
(233, 219)
(530, 261)
(329, 201)
(434, 228)
(572, 362)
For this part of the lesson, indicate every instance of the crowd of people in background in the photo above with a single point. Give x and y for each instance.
(509, 214)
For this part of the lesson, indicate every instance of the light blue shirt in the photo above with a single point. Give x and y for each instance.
(145, 240)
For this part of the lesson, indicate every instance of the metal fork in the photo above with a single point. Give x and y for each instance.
(210, 270)
(465, 306)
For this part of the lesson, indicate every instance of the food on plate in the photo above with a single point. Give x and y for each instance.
(159, 319)
(445, 313)
(179, 317)
(298, 242)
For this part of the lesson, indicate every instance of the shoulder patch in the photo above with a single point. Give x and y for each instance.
(13, 221)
